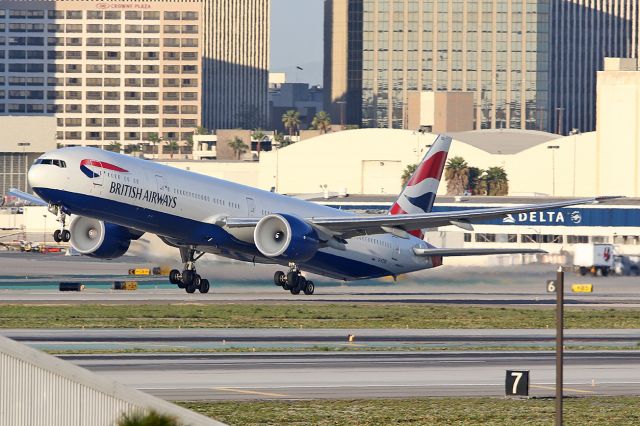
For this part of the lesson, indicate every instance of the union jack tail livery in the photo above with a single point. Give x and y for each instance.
(420, 192)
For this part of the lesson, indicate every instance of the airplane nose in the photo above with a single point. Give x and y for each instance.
(36, 176)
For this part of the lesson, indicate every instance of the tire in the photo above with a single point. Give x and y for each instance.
(188, 277)
(604, 271)
(583, 271)
(197, 280)
(66, 235)
(56, 236)
(204, 286)
(174, 276)
(292, 280)
(191, 288)
(295, 291)
(279, 278)
(309, 288)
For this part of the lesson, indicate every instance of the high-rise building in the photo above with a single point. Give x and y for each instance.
(531, 64)
(235, 63)
(124, 72)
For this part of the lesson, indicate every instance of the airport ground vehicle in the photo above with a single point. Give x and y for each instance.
(593, 258)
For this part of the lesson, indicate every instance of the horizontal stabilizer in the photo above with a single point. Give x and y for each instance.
(422, 252)
(27, 197)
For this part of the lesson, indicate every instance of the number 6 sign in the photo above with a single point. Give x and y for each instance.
(517, 383)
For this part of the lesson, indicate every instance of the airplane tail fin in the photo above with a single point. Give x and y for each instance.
(420, 192)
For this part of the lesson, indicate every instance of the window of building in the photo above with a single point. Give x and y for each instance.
(94, 122)
(171, 69)
(171, 96)
(188, 109)
(132, 82)
(189, 42)
(55, 41)
(94, 14)
(112, 28)
(189, 69)
(74, 41)
(171, 82)
(75, 95)
(73, 122)
(150, 82)
(73, 108)
(132, 28)
(54, 109)
(188, 122)
(172, 16)
(151, 69)
(111, 55)
(112, 14)
(94, 109)
(94, 55)
(151, 29)
(150, 109)
(74, 14)
(94, 41)
(189, 96)
(74, 68)
(150, 122)
(132, 56)
(94, 96)
(92, 82)
(111, 122)
(151, 42)
(112, 136)
(189, 16)
(111, 41)
(151, 56)
(131, 122)
(112, 96)
(189, 29)
(94, 28)
(171, 42)
(112, 68)
(133, 42)
(112, 82)
(112, 109)
(150, 96)
(35, 108)
(94, 136)
(55, 94)
(189, 56)
(132, 14)
(55, 14)
(129, 96)
(132, 136)
(74, 54)
(73, 28)
(150, 15)
(170, 122)
(170, 109)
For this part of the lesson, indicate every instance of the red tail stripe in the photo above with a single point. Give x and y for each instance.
(432, 168)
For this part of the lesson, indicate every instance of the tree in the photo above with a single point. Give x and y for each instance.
(200, 131)
(173, 147)
(114, 146)
(152, 418)
(457, 175)
(132, 148)
(291, 121)
(258, 135)
(407, 173)
(154, 140)
(497, 181)
(238, 146)
(322, 122)
(477, 181)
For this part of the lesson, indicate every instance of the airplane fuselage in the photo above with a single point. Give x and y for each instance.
(185, 207)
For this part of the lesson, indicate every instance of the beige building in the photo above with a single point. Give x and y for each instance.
(440, 112)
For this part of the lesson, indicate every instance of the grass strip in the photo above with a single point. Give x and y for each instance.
(307, 316)
(423, 411)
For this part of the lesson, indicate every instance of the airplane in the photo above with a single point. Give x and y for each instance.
(116, 198)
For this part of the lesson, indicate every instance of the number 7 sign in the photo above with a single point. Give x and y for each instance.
(517, 383)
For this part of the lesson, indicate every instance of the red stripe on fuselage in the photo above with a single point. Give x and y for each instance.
(103, 165)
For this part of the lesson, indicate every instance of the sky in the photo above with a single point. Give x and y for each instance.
(297, 39)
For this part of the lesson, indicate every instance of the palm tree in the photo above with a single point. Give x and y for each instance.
(457, 175)
(200, 131)
(258, 135)
(407, 173)
(114, 146)
(154, 140)
(477, 181)
(173, 146)
(497, 181)
(291, 121)
(238, 146)
(322, 122)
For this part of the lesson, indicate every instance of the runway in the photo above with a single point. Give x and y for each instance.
(310, 339)
(363, 375)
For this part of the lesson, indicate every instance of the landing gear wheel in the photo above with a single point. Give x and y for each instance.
(197, 280)
(204, 286)
(65, 235)
(279, 278)
(295, 291)
(188, 277)
(56, 236)
(309, 288)
(191, 288)
(174, 276)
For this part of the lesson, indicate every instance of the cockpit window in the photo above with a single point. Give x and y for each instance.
(58, 163)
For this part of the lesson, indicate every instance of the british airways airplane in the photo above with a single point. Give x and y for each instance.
(115, 199)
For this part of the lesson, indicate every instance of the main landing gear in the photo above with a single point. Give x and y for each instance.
(188, 278)
(294, 281)
(61, 235)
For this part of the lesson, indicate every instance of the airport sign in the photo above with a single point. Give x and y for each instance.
(582, 288)
(517, 383)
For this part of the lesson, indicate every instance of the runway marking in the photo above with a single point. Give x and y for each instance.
(248, 392)
(564, 389)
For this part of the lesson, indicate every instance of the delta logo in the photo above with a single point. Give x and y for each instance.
(90, 167)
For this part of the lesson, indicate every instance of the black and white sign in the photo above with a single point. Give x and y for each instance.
(517, 383)
(551, 286)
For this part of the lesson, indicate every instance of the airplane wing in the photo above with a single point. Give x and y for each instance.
(27, 197)
(447, 252)
(351, 226)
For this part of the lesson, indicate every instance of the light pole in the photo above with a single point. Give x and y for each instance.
(559, 114)
(574, 133)
(342, 104)
(44, 235)
(553, 166)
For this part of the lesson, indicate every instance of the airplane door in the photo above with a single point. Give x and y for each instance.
(395, 254)
(162, 184)
(251, 207)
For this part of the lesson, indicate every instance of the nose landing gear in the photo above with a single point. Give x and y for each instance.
(189, 279)
(293, 281)
(61, 235)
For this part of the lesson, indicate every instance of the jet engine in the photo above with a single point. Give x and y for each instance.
(99, 239)
(287, 237)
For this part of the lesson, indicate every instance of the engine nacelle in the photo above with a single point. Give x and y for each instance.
(287, 237)
(96, 238)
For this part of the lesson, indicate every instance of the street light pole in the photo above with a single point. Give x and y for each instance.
(574, 133)
(553, 166)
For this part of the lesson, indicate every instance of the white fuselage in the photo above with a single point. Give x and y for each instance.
(170, 202)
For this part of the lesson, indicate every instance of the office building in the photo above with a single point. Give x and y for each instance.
(125, 72)
(235, 64)
(529, 64)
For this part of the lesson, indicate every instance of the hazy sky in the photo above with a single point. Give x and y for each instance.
(296, 39)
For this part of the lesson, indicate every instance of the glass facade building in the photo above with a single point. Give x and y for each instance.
(531, 64)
